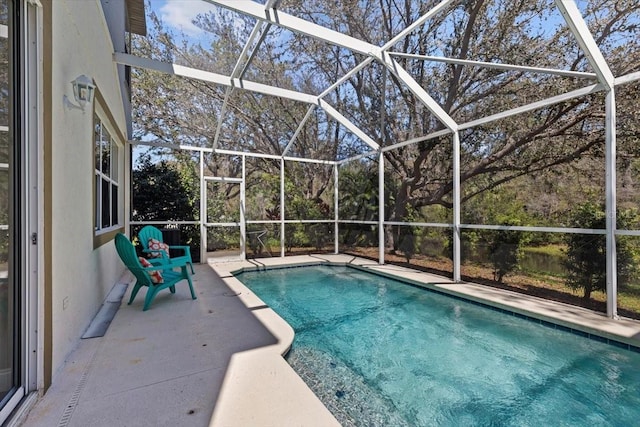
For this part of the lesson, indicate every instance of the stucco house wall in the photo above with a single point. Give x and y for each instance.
(82, 274)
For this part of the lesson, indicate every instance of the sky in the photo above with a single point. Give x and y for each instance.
(178, 14)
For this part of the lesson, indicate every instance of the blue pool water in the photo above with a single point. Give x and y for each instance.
(383, 353)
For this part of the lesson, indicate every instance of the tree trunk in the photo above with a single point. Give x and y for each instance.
(400, 209)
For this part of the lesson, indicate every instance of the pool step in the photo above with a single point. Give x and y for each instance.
(344, 392)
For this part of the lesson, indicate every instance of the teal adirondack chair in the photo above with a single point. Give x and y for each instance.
(151, 232)
(129, 257)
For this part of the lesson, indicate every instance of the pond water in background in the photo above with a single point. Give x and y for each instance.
(379, 352)
(529, 261)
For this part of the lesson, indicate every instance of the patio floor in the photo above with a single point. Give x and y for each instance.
(217, 360)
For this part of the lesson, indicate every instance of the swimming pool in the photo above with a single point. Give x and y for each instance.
(380, 352)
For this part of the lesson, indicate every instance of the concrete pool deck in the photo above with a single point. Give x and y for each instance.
(217, 361)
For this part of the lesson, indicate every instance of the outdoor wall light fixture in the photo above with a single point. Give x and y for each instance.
(83, 91)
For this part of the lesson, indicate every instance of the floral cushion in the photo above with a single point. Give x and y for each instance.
(157, 245)
(156, 276)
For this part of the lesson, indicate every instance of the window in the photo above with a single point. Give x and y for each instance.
(107, 190)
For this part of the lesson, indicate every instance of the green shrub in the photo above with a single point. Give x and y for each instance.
(505, 247)
(586, 261)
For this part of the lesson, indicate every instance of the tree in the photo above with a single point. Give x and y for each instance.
(505, 247)
(407, 242)
(515, 32)
(494, 153)
(586, 261)
(161, 191)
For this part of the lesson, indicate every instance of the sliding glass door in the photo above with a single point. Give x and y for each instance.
(18, 172)
(8, 300)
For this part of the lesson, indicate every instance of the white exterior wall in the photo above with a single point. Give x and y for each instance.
(81, 275)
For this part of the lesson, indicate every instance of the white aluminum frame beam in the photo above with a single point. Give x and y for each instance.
(309, 221)
(581, 32)
(351, 221)
(611, 204)
(245, 153)
(348, 124)
(457, 209)
(250, 49)
(629, 78)
(507, 67)
(306, 160)
(223, 113)
(418, 91)
(297, 25)
(282, 210)
(344, 78)
(232, 152)
(223, 179)
(299, 129)
(243, 212)
(336, 210)
(264, 29)
(381, 208)
(239, 70)
(203, 211)
(402, 34)
(358, 157)
(310, 29)
(219, 79)
(411, 141)
(534, 105)
(534, 229)
(420, 224)
(259, 31)
(179, 70)
(162, 144)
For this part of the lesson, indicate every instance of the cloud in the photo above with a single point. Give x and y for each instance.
(179, 14)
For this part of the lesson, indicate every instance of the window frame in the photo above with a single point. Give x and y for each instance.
(102, 235)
